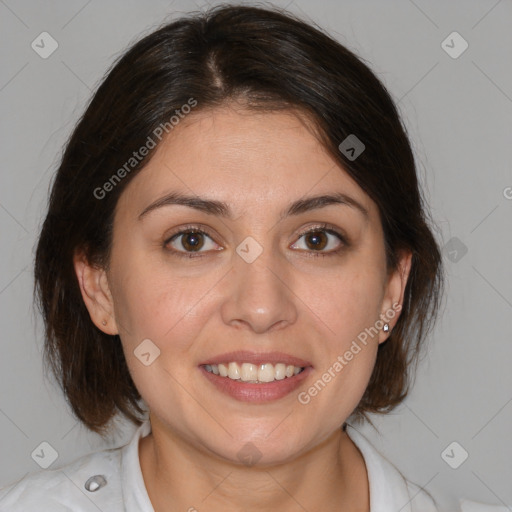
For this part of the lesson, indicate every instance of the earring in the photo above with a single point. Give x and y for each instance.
(386, 328)
(104, 322)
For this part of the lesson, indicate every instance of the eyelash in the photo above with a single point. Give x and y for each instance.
(314, 254)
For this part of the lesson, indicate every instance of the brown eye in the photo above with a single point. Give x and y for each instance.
(189, 241)
(192, 241)
(316, 240)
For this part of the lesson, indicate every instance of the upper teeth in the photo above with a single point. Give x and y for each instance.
(254, 373)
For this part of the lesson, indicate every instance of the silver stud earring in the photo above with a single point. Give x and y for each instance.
(104, 322)
(386, 328)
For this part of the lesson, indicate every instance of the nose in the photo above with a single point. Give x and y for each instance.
(260, 296)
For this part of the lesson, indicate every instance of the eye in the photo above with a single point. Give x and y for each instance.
(322, 240)
(192, 242)
(188, 241)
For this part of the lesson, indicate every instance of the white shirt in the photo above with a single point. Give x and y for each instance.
(119, 485)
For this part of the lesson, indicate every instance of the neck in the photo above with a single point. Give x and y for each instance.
(178, 476)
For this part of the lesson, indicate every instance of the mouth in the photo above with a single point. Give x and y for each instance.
(256, 377)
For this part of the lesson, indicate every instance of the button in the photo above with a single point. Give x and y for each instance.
(95, 482)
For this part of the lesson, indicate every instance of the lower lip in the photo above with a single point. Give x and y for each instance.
(257, 393)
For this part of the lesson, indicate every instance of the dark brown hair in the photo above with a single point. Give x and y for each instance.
(270, 60)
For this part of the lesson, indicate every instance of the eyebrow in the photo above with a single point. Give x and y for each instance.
(220, 208)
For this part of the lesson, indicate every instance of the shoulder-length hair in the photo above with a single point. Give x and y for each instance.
(271, 60)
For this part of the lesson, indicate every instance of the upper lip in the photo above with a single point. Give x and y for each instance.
(246, 356)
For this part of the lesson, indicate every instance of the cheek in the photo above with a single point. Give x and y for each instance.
(162, 302)
(349, 307)
(170, 311)
(346, 301)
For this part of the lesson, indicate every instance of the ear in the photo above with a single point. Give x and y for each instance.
(394, 293)
(96, 294)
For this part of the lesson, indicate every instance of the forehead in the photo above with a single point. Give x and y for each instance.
(243, 158)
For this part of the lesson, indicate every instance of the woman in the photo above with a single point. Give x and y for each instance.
(236, 244)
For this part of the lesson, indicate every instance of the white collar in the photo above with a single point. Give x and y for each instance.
(388, 488)
(135, 494)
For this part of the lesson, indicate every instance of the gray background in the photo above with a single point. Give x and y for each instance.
(458, 113)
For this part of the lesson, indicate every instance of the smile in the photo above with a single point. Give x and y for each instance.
(253, 390)
(254, 373)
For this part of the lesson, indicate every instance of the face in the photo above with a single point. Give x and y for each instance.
(199, 284)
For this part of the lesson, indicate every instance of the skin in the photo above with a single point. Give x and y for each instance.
(193, 309)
